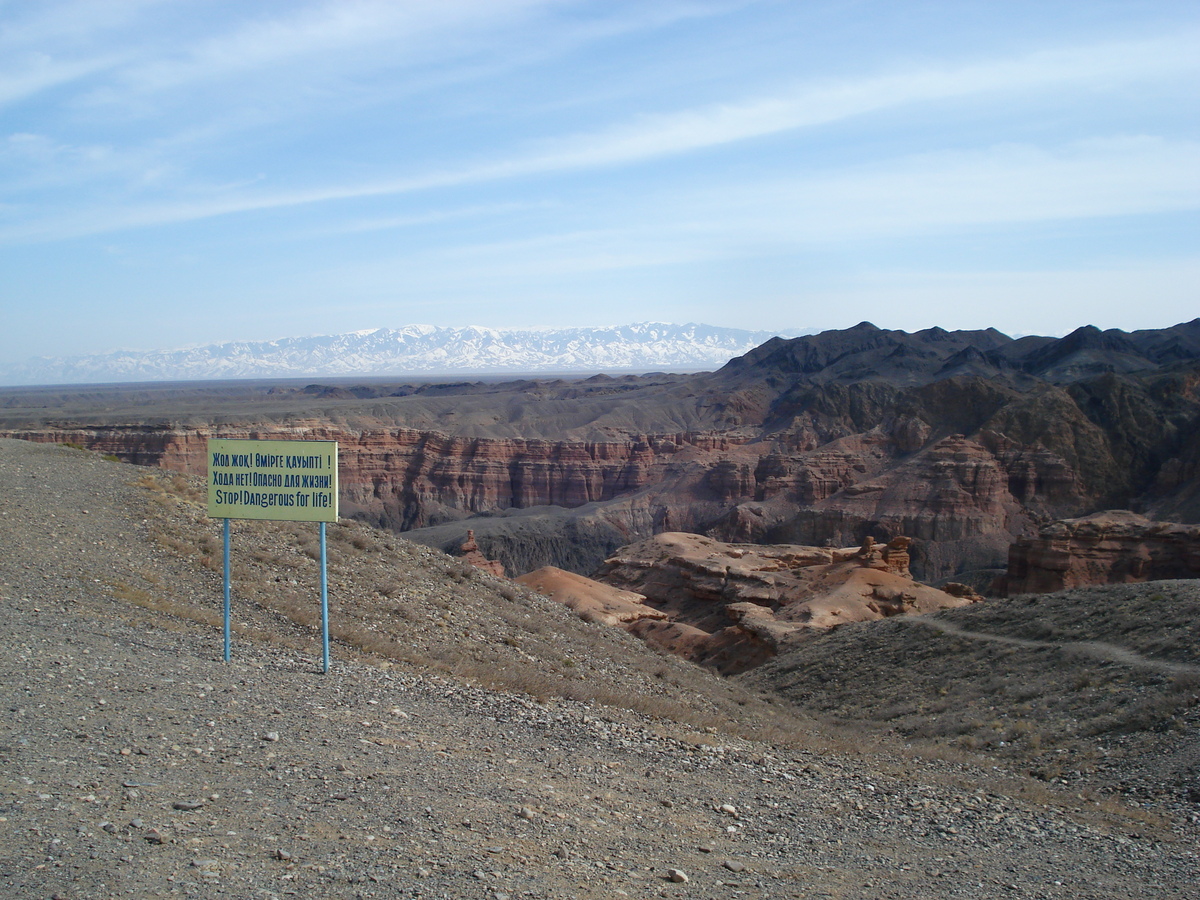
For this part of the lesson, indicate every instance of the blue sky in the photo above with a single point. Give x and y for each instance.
(177, 173)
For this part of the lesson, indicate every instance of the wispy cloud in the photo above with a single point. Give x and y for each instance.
(24, 78)
(389, 223)
(910, 198)
(325, 34)
(813, 105)
(652, 137)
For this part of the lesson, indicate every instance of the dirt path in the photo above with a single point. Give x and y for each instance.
(1096, 649)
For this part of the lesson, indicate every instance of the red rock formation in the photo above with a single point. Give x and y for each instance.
(961, 499)
(405, 478)
(590, 599)
(965, 500)
(1113, 547)
(471, 553)
(732, 606)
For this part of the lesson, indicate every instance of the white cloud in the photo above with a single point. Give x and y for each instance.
(813, 105)
(998, 185)
(345, 34)
(23, 78)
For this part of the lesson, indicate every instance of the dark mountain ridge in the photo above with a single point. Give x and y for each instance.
(866, 352)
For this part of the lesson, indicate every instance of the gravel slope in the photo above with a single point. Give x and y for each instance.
(136, 763)
(1097, 688)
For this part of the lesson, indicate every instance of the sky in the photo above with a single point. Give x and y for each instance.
(178, 173)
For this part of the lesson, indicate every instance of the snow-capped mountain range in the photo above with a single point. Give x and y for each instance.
(423, 350)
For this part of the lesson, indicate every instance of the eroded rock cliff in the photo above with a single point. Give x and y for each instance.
(733, 606)
(1111, 547)
(963, 440)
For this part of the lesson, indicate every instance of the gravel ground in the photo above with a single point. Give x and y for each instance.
(137, 763)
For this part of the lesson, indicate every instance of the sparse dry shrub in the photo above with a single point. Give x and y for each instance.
(1148, 713)
(150, 482)
(138, 597)
(174, 544)
(406, 613)
(1186, 683)
(462, 572)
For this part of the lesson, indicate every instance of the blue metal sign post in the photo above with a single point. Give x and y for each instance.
(291, 481)
(226, 567)
(324, 607)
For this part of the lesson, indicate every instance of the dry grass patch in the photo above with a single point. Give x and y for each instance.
(156, 602)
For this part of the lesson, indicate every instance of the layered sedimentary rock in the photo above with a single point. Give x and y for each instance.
(964, 499)
(1112, 547)
(964, 440)
(733, 606)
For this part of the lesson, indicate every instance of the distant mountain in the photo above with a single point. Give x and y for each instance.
(413, 350)
(866, 353)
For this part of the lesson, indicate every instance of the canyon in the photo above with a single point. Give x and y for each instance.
(732, 607)
(964, 441)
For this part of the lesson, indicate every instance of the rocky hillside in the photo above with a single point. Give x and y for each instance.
(137, 763)
(964, 441)
(1094, 686)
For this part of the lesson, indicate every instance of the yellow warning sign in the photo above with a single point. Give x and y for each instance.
(293, 481)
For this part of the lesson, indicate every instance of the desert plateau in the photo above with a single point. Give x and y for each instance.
(575, 450)
(861, 614)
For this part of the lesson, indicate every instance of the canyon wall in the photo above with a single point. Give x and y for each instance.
(1112, 547)
(405, 478)
(965, 441)
(964, 500)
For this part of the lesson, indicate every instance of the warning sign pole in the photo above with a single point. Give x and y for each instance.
(226, 567)
(324, 607)
(290, 481)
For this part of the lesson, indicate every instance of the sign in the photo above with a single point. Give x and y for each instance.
(291, 481)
